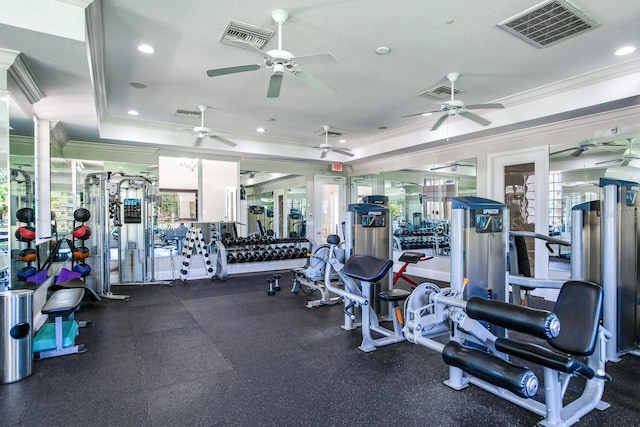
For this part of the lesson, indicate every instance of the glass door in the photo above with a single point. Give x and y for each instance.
(329, 206)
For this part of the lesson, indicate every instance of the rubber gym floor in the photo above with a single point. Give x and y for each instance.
(224, 353)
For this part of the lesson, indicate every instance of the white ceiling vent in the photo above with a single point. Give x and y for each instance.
(240, 31)
(549, 22)
(440, 92)
(187, 113)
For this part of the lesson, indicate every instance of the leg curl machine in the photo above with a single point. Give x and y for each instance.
(477, 356)
(475, 308)
(367, 270)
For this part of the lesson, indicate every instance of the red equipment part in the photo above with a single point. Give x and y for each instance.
(409, 258)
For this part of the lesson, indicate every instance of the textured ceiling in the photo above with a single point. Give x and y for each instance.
(427, 40)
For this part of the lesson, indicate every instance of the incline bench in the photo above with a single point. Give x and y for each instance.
(58, 338)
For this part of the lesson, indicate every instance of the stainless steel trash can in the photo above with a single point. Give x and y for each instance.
(16, 335)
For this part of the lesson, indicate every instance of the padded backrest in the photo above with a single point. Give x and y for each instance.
(578, 307)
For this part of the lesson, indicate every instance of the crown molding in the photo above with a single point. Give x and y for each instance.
(21, 75)
(80, 3)
(95, 52)
(59, 137)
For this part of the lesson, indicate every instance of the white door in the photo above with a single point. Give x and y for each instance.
(361, 187)
(329, 207)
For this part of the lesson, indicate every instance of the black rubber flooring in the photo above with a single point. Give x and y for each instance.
(224, 353)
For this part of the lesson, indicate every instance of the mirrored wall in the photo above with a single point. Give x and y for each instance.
(419, 200)
(575, 174)
(273, 204)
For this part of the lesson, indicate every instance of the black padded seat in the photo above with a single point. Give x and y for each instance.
(63, 302)
(366, 267)
(393, 295)
(411, 257)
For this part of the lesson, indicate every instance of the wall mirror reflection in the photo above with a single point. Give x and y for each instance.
(273, 204)
(420, 203)
(575, 174)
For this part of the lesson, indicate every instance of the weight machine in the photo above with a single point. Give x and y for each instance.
(124, 211)
(475, 312)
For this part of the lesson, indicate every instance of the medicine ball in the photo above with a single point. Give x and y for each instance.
(81, 252)
(82, 214)
(82, 232)
(25, 233)
(83, 269)
(27, 255)
(25, 272)
(25, 215)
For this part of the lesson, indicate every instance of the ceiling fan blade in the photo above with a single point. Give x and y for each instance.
(223, 140)
(424, 113)
(232, 70)
(316, 58)
(342, 151)
(437, 168)
(275, 83)
(578, 151)
(563, 151)
(324, 154)
(487, 106)
(313, 82)
(609, 161)
(476, 118)
(440, 121)
(626, 162)
(251, 48)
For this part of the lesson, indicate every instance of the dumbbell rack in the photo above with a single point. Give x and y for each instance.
(259, 254)
(435, 239)
(194, 244)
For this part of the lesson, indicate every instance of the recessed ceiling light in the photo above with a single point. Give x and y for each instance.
(138, 85)
(626, 50)
(426, 114)
(342, 141)
(261, 130)
(382, 50)
(145, 48)
(132, 113)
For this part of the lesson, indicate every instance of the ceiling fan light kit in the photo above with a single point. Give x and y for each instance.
(326, 147)
(456, 107)
(202, 132)
(279, 61)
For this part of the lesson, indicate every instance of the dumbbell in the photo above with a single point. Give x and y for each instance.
(276, 280)
(271, 291)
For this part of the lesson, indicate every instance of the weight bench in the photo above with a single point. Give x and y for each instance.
(58, 338)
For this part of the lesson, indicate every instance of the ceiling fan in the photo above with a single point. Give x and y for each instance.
(202, 132)
(627, 157)
(587, 145)
(326, 147)
(456, 107)
(280, 60)
(453, 166)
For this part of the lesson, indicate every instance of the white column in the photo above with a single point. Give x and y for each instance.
(6, 60)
